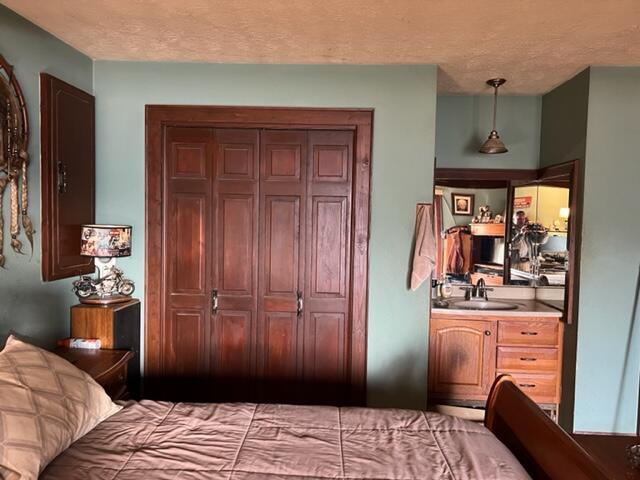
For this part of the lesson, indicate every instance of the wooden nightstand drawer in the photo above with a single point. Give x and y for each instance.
(107, 367)
(115, 383)
(531, 333)
(527, 359)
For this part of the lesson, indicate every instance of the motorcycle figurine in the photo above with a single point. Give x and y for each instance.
(112, 284)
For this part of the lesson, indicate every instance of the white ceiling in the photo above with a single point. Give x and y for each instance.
(535, 44)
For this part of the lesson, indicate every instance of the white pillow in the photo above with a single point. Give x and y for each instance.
(45, 405)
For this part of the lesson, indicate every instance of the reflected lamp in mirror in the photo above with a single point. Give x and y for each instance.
(564, 215)
(105, 243)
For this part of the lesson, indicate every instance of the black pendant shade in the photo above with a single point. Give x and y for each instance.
(493, 144)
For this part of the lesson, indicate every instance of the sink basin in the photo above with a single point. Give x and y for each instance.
(482, 305)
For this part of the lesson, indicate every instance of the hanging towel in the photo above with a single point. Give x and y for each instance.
(424, 255)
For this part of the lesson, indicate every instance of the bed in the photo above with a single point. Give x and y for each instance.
(162, 440)
(56, 422)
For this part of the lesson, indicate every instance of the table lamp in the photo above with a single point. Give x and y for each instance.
(105, 243)
(564, 215)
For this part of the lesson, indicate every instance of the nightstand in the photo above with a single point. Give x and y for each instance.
(117, 326)
(107, 367)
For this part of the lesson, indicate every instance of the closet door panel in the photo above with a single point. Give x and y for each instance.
(326, 358)
(328, 254)
(329, 245)
(234, 250)
(184, 355)
(282, 264)
(187, 190)
(281, 346)
(188, 266)
(236, 218)
(282, 209)
(235, 352)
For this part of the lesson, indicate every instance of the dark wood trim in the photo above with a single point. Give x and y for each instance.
(569, 175)
(506, 276)
(559, 170)
(481, 177)
(541, 446)
(358, 120)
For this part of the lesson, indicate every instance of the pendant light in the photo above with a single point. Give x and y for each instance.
(493, 144)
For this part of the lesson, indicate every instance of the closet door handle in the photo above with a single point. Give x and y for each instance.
(299, 303)
(214, 301)
(62, 178)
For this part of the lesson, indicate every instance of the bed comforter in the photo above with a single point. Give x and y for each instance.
(160, 440)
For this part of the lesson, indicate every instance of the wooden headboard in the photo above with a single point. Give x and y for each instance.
(542, 447)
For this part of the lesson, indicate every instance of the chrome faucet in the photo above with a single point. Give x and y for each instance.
(479, 290)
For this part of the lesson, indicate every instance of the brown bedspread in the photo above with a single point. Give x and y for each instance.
(159, 440)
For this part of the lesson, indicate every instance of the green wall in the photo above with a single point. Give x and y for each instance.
(36, 310)
(404, 98)
(595, 117)
(564, 121)
(564, 138)
(464, 122)
(608, 349)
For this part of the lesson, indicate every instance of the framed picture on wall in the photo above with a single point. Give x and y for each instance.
(462, 203)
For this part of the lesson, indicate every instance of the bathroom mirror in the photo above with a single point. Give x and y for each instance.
(508, 227)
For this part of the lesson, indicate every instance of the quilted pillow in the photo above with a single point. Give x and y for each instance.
(45, 405)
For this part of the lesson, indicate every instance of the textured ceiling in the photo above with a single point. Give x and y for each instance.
(535, 44)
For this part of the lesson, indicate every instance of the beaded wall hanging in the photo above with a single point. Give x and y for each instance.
(14, 160)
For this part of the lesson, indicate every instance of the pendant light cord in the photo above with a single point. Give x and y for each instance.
(495, 105)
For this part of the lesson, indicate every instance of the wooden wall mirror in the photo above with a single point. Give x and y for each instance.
(509, 227)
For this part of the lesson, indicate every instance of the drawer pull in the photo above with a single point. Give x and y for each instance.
(487, 333)
(528, 359)
(528, 333)
(527, 385)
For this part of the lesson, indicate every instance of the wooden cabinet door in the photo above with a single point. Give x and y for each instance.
(461, 358)
(188, 222)
(68, 176)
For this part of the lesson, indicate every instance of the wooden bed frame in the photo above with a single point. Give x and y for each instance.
(542, 447)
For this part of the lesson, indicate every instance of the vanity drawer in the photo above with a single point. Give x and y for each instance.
(516, 332)
(530, 359)
(540, 387)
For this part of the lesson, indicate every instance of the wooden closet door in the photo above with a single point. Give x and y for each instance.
(233, 250)
(187, 228)
(283, 186)
(328, 266)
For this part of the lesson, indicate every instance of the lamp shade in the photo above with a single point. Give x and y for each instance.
(105, 241)
(564, 213)
(493, 144)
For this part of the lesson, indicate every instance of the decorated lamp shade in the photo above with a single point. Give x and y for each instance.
(105, 241)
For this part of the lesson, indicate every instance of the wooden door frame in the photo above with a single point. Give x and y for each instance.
(360, 121)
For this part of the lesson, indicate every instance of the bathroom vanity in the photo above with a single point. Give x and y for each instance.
(468, 349)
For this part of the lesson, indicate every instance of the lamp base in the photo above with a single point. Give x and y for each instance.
(98, 300)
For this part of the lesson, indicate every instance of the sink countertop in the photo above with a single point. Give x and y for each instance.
(526, 308)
